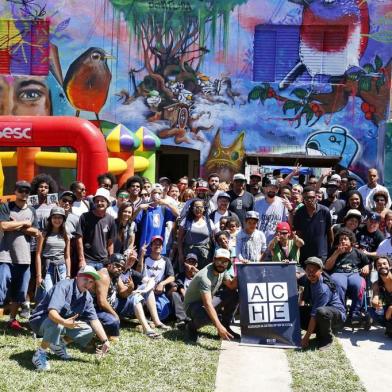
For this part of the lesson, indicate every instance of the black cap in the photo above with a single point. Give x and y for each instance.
(271, 182)
(116, 258)
(68, 194)
(22, 184)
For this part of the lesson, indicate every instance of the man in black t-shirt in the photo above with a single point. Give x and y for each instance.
(334, 204)
(96, 232)
(369, 237)
(241, 201)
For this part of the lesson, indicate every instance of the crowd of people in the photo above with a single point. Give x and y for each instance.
(166, 253)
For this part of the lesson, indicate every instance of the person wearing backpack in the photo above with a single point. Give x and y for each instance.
(327, 311)
(196, 234)
(18, 222)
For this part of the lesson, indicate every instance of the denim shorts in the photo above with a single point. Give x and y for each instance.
(14, 282)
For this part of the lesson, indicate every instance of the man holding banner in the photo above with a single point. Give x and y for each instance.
(198, 301)
(327, 311)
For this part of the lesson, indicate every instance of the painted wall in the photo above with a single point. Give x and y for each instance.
(228, 77)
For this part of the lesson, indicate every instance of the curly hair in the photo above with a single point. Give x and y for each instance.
(39, 179)
(133, 179)
(347, 233)
(108, 175)
(382, 194)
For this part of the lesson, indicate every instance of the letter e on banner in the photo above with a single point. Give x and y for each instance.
(279, 312)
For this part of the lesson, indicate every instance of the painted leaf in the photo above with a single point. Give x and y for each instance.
(353, 76)
(62, 25)
(255, 93)
(309, 116)
(380, 82)
(300, 93)
(289, 105)
(369, 68)
(378, 62)
(365, 84)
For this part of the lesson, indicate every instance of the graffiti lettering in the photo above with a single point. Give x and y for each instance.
(169, 5)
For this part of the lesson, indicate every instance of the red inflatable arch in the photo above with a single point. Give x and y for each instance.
(60, 131)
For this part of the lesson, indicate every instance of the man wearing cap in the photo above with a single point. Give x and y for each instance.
(241, 200)
(254, 185)
(369, 236)
(66, 314)
(96, 232)
(272, 209)
(367, 191)
(223, 200)
(19, 224)
(251, 243)
(198, 297)
(327, 311)
(332, 202)
(122, 195)
(153, 218)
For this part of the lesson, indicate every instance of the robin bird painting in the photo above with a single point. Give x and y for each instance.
(87, 81)
(332, 37)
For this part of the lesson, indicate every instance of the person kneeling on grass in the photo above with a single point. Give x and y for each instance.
(198, 297)
(66, 314)
(382, 295)
(327, 311)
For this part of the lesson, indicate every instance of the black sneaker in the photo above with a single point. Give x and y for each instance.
(191, 334)
(180, 324)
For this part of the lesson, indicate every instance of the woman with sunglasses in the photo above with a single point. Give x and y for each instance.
(285, 245)
(195, 234)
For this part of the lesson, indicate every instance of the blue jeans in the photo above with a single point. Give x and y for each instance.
(51, 332)
(5, 280)
(14, 282)
(54, 274)
(96, 264)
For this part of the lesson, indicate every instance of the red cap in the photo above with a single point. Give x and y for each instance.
(283, 226)
(156, 237)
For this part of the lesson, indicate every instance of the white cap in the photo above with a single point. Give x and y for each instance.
(336, 177)
(239, 177)
(104, 193)
(157, 188)
(222, 253)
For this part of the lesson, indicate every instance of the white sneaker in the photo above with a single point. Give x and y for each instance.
(40, 361)
(60, 350)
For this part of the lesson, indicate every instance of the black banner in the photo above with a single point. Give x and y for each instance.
(269, 304)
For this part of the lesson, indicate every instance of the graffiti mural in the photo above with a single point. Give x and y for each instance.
(226, 77)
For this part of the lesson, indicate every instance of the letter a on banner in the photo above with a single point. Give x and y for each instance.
(269, 304)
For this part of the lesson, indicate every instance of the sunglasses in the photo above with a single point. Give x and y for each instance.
(144, 194)
(283, 232)
(23, 190)
(309, 197)
(198, 208)
(67, 201)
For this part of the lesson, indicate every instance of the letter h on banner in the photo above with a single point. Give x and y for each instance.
(268, 302)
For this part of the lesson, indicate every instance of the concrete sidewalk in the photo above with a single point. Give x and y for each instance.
(248, 368)
(370, 353)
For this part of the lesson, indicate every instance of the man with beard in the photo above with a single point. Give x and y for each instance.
(241, 200)
(213, 186)
(254, 185)
(272, 209)
(382, 294)
(198, 302)
(332, 202)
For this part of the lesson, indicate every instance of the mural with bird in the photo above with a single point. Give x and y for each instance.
(332, 37)
(87, 81)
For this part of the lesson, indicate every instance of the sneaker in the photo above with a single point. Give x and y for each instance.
(60, 350)
(25, 310)
(191, 334)
(40, 361)
(15, 325)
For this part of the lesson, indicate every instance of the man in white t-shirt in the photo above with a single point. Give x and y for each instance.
(223, 201)
(367, 191)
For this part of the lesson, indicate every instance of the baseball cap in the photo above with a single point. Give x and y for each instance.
(271, 182)
(332, 183)
(281, 226)
(374, 217)
(156, 237)
(353, 213)
(255, 174)
(104, 193)
(239, 177)
(116, 258)
(315, 261)
(252, 215)
(224, 195)
(202, 185)
(69, 194)
(336, 177)
(57, 211)
(22, 184)
(191, 256)
(167, 179)
(157, 188)
(90, 271)
(222, 254)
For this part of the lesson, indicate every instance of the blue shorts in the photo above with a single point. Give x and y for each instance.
(5, 280)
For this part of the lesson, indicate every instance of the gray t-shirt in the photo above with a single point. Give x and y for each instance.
(53, 250)
(71, 224)
(197, 232)
(15, 246)
(250, 246)
(270, 216)
(43, 212)
(205, 281)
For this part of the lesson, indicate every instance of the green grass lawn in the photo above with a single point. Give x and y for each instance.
(136, 363)
(326, 371)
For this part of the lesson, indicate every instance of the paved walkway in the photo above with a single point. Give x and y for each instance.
(248, 368)
(370, 353)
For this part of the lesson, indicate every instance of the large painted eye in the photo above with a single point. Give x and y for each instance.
(332, 139)
(234, 155)
(96, 56)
